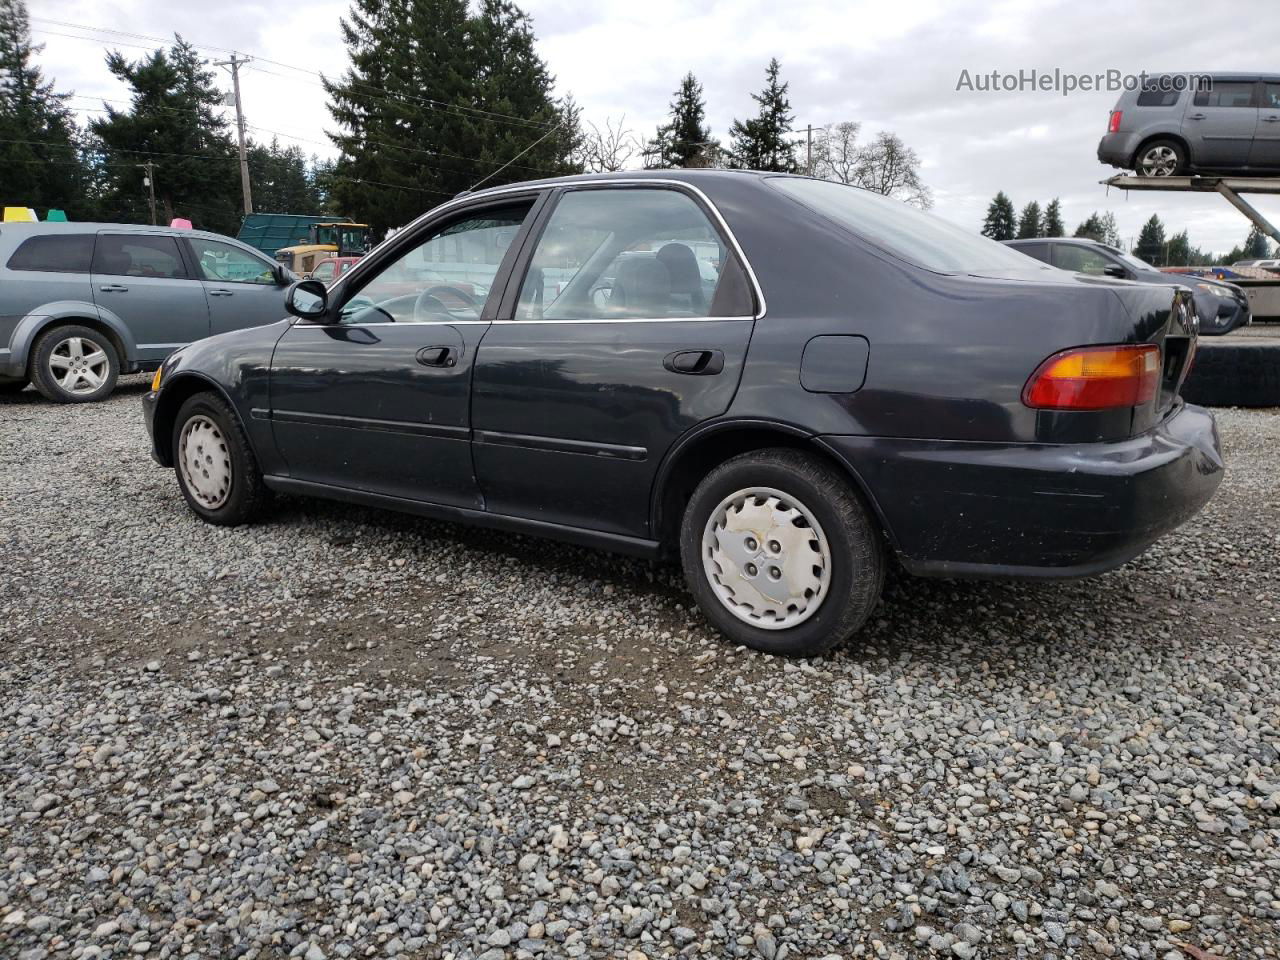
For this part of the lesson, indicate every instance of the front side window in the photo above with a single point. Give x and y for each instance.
(1226, 94)
(631, 253)
(324, 272)
(138, 255)
(446, 276)
(57, 253)
(227, 264)
(1080, 259)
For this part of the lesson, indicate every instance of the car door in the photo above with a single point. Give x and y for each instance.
(377, 397)
(628, 327)
(143, 279)
(239, 287)
(1266, 140)
(1220, 123)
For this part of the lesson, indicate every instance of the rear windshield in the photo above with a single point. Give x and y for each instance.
(54, 253)
(907, 233)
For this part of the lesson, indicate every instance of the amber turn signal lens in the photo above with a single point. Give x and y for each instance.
(155, 381)
(1095, 378)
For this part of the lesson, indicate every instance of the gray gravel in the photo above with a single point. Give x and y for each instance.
(346, 733)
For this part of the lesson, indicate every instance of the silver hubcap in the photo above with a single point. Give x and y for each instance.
(1159, 162)
(78, 365)
(205, 462)
(766, 558)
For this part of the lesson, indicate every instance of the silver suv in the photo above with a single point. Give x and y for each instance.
(82, 303)
(1178, 124)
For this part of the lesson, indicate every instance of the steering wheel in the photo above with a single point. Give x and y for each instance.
(429, 301)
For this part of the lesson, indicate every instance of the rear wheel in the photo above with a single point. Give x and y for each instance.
(74, 364)
(1161, 158)
(781, 554)
(217, 471)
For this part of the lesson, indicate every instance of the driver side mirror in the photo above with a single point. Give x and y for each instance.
(1115, 270)
(307, 299)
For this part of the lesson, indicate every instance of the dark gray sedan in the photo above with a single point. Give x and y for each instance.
(1220, 306)
(784, 382)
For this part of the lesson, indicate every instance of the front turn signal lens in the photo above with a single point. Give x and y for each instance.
(1095, 378)
(155, 380)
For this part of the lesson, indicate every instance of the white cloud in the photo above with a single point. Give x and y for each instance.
(889, 65)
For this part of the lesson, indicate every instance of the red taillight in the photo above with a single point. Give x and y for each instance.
(1095, 378)
(1113, 125)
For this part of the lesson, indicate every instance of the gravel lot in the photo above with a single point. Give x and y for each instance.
(346, 733)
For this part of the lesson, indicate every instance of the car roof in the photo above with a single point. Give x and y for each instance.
(1215, 74)
(83, 227)
(683, 175)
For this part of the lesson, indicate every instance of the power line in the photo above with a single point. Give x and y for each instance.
(378, 94)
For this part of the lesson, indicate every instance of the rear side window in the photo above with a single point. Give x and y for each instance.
(1226, 94)
(1271, 96)
(1158, 98)
(138, 255)
(907, 233)
(1038, 250)
(57, 253)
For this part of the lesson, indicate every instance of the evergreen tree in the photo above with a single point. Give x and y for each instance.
(40, 152)
(685, 140)
(436, 100)
(1001, 222)
(1256, 246)
(1179, 252)
(1110, 231)
(171, 122)
(1091, 228)
(1030, 225)
(1053, 220)
(282, 182)
(762, 143)
(1150, 246)
(512, 80)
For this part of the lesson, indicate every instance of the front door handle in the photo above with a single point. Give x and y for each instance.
(437, 357)
(114, 288)
(219, 293)
(1272, 119)
(696, 363)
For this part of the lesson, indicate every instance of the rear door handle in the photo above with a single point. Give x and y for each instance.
(437, 357)
(219, 293)
(696, 363)
(1272, 119)
(1195, 116)
(114, 288)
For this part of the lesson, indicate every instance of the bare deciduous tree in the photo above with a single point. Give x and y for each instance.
(886, 165)
(607, 150)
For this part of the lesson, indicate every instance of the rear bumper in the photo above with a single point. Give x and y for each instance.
(1036, 510)
(1117, 149)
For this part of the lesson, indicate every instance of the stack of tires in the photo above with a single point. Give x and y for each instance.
(1235, 371)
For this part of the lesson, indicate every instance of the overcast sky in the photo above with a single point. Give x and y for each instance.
(891, 66)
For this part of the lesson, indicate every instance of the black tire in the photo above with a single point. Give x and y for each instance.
(1156, 155)
(11, 387)
(1235, 371)
(45, 379)
(246, 493)
(857, 556)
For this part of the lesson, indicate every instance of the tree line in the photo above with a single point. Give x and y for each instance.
(1003, 222)
(440, 97)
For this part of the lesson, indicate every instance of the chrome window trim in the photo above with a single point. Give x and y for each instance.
(472, 323)
(461, 202)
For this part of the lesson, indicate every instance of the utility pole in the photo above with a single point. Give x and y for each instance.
(808, 149)
(233, 66)
(149, 179)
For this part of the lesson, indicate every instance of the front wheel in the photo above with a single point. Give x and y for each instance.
(1161, 158)
(217, 471)
(781, 554)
